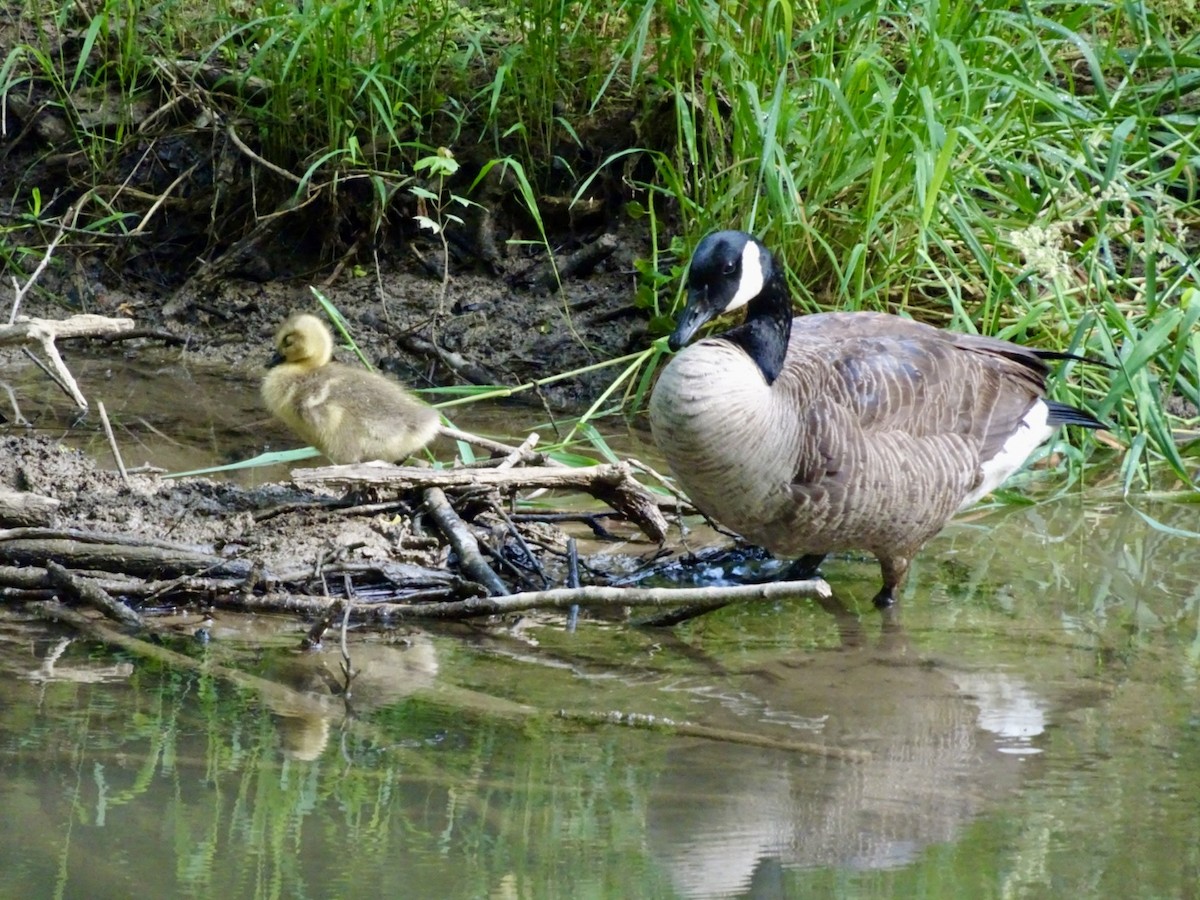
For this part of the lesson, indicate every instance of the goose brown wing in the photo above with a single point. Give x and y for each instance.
(887, 375)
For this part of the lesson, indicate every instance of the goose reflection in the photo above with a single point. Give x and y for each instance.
(728, 820)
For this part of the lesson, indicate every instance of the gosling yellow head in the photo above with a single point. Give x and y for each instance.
(349, 414)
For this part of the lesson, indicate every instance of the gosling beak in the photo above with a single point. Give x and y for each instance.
(276, 359)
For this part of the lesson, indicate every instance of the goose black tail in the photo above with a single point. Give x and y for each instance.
(1062, 414)
(1056, 354)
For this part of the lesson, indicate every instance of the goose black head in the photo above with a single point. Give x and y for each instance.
(728, 270)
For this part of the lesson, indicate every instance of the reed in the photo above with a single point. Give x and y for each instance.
(1023, 170)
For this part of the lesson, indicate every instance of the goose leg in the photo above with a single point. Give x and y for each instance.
(804, 567)
(894, 569)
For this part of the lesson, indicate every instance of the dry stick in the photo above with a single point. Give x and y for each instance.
(46, 331)
(281, 172)
(612, 483)
(593, 596)
(112, 441)
(520, 453)
(523, 453)
(20, 290)
(85, 591)
(162, 198)
(462, 540)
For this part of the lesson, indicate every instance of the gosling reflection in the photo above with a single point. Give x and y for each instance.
(317, 701)
(730, 820)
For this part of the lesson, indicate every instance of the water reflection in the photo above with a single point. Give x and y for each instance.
(724, 818)
(1034, 728)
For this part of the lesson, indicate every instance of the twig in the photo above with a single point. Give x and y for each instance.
(281, 172)
(20, 290)
(520, 453)
(45, 331)
(162, 198)
(601, 597)
(526, 454)
(83, 590)
(462, 540)
(611, 483)
(112, 441)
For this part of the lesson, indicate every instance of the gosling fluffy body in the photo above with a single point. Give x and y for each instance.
(838, 431)
(349, 414)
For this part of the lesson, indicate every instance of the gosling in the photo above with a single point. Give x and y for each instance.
(349, 414)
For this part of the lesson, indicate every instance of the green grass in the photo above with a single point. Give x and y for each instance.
(1028, 170)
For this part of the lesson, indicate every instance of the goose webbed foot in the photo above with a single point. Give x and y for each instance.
(885, 598)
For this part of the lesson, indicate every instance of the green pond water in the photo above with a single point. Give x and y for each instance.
(1026, 724)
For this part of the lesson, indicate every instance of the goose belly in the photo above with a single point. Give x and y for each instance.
(729, 446)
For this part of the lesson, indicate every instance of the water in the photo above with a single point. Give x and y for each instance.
(1029, 722)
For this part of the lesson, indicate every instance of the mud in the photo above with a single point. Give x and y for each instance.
(214, 516)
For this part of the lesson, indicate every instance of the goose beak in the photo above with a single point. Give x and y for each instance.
(276, 359)
(691, 320)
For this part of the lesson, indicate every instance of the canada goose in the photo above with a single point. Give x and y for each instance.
(349, 414)
(838, 431)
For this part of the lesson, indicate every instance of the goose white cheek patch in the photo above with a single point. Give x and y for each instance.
(751, 283)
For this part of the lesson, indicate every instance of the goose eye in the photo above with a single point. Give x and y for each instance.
(729, 267)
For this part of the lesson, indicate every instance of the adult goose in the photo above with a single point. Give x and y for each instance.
(838, 431)
(349, 414)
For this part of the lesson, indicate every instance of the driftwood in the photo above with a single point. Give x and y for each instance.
(612, 483)
(21, 508)
(462, 540)
(88, 593)
(143, 557)
(609, 598)
(44, 332)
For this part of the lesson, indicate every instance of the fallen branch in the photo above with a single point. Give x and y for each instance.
(611, 483)
(45, 332)
(85, 591)
(111, 553)
(23, 508)
(609, 597)
(462, 540)
(562, 268)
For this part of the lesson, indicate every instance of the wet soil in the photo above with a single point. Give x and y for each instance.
(216, 517)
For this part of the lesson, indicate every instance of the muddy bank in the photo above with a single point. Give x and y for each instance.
(402, 535)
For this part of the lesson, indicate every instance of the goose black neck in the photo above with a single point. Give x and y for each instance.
(764, 335)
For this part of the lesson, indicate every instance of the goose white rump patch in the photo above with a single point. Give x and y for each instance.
(1030, 434)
